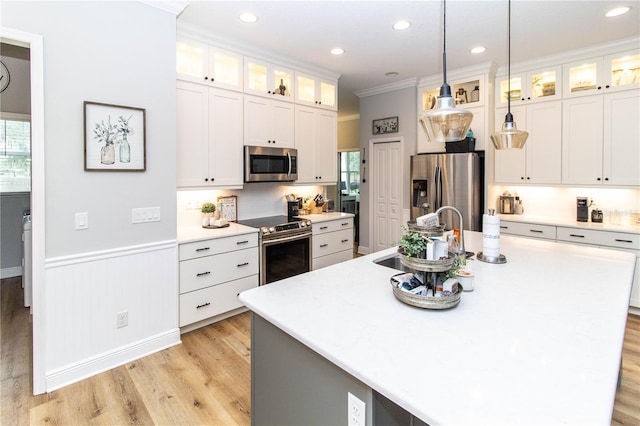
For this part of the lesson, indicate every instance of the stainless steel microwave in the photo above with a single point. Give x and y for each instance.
(266, 164)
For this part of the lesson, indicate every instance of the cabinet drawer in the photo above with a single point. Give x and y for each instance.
(331, 259)
(214, 300)
(601, 238)
(332, 225)
(531, 230)
(217, 245)
(207, 271)
(332, 242)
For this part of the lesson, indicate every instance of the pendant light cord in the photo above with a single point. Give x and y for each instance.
(444, 44)
(509, 117)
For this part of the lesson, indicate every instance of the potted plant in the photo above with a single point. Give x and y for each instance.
(414, 244)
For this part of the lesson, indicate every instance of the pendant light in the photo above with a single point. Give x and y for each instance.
(509, 137)
(445, 123)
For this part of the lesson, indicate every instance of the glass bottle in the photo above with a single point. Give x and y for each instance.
(125, 150)
(475, 94)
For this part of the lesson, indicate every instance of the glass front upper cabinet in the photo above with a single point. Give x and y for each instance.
(265, 79)
(201, 63)
(316, 91)
(533, 86)
(467, 93)
(605, 74)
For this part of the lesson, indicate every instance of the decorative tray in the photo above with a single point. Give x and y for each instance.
(426, 265)
(431, 231)
(216, 226)
(425, 302)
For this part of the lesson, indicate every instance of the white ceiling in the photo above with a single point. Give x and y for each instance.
(308, 30)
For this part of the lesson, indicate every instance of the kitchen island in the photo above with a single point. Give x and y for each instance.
(538, 341)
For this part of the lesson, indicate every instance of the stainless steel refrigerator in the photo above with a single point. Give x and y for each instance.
(452, 179)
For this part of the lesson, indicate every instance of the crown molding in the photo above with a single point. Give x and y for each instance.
(174, 7)
(410, 82)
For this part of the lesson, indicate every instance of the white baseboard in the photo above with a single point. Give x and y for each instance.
(74, 373)
(14, 271)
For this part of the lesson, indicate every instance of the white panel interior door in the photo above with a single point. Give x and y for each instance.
(386, 176)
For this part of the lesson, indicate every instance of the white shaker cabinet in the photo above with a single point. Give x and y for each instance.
(201, 63)
(209, 135)
(332, 242)
(539, 162)
(317, 145)
(600, 139)
(316, 91)
(266, 79)
(213, 273)
(268, 122)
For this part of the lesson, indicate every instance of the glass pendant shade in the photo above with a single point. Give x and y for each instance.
(445, 123)
(509, 137)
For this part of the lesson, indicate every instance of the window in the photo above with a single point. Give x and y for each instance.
(15, 155)
(350, 172)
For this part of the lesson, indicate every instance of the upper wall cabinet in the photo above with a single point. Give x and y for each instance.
(316, 91)
(533, 86)
(201, 63)
(266, 79)
(602, 74)
(268, 122)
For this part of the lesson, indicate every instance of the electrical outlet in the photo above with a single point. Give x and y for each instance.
(357, 411)
(122, 319)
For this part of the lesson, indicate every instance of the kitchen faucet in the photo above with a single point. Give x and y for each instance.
(443, 208)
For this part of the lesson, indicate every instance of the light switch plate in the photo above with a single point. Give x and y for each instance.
(82, 221)
(145, 214)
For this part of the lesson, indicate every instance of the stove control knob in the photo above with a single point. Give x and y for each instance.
(264, 230)
(303, 224)
(308, 223)
(272, 229)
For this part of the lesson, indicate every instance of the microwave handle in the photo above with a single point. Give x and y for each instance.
(289, 157)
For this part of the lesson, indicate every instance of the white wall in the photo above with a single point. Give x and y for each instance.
(119, 53)
(401, 103)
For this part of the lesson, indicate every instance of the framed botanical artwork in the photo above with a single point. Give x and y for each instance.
(114, 138)
(385, 125)
(228, 207)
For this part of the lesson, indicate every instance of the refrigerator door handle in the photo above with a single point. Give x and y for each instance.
(437, 179)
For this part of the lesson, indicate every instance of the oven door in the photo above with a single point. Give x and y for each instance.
(285, 257)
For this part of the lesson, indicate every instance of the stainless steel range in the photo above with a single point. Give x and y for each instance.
(285, 247)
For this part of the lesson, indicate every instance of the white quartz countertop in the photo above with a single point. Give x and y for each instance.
(546, 220)
(189, 234)
(537, 342)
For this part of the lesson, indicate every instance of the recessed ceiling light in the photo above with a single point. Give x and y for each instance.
(401, 25)
(391, 74)
(617, 11)
(249, 18)
(337, 51)
(478, 49)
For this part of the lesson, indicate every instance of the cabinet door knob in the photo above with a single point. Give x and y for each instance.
(521, 177)
(599, 179)
(599, 87)
(206, 78)
(528, 178)
(606, 179)
(206, 179)
(606, 86)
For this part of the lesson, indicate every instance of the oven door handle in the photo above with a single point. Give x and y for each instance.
(286, 239)
(289, 157)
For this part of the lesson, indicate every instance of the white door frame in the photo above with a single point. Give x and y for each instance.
(369, 162)
(35, 44)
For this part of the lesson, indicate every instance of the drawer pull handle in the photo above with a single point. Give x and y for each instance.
(242, 242)
(345, 224)
(623, 241)
(323, 227)
(576, 235)
(199, 274)
(243, 264)
(323, 245)
(202, 249)
(203, 305)
(504, 227)
(536, 230)
(344, 241)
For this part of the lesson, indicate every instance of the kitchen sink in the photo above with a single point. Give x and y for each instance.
(392, 262)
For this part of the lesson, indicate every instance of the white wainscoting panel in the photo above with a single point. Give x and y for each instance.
(84, 293)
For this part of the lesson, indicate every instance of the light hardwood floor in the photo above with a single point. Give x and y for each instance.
(205, 380)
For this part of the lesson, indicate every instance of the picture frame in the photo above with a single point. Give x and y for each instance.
(385, 125)
(114, 138)
(228, 207)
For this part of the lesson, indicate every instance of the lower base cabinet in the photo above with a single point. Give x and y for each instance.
(332, 242)
(213, 273)
(623, 241)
